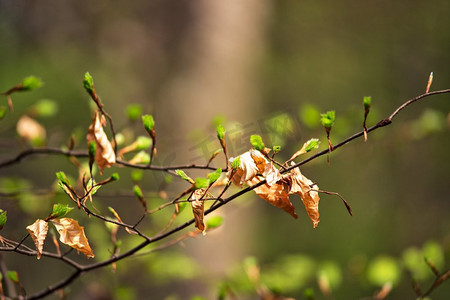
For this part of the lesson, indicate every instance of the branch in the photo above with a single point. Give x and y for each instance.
(161, 236)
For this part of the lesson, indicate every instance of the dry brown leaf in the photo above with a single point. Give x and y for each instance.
(72, 234)
(198, 208)
(252, 163)
(299, 184)
(38, 232)
(30, 129)
(275, 195)
(104, 156)
(271, 174)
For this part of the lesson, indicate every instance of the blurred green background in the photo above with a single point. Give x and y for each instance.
(257, 67)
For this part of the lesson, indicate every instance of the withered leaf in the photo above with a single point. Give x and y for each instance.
(104, 156)
(307, 190)
(252, 163)
(72, 234)
(198, 208)
(38, 232)
(30, 129)
(276, 196)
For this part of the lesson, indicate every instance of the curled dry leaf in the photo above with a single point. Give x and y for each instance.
(38, 232)
(198, 208)
(30, 129)
(72, 234)
(307, 190)
(104, 156)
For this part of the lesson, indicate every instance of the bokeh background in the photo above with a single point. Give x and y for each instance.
(258, 67)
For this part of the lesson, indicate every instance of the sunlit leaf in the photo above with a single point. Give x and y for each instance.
(31, 83)
(214, 222)
(148, 122)
(257, 142)
(184, 176)
(38, 232)
(327, 119)
(60, 210)
(72, 234)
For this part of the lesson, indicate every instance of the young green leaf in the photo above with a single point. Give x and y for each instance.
(60, 210)
(13, 276)
(88, 83)
(214, 175)
(3, 218)
(257, 142)
(134, 111)
(220, 132)
(2, 111)
(149, 123)
(92, 183)
(312, 144)
(276, 149)
(201, 183)
(31, 83)
(143, 142)
(327, 119)
(114, 176)
(141, 157)
(63, 178)
(236, 163)
(92, 149)
(184, 176)
(214, 222)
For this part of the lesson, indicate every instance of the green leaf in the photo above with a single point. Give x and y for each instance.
(13, 276)
(134, 111)
(63, 178)
(143, 142)
(257, 142)
(327, 119)
(149, 122)
(214, 222)
(367, 100)
(201, 183)
(2, 111)
(60, 210)
(138, 192)
(92, 149)
(88, 83)
(95, 188)
(236, 163)
(136, 175)
(141, 157)
(183, 176)
(276, 149)
(220, 132)
(312, 144)
(115, 176)
(181, 206)
(46, 108)
(3, 218)
(31, 83)
(382, 270)
(214, 175)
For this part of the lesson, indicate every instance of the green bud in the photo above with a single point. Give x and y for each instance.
(312, 144)
(214, 222)
(115, 176)
(214, 175)
(201, 183)
(88, 83)
(149, 122)
(327, 119)
(92, 148)
(143, 142)
(181, 206)
(257, 142)
(141, 157)
(276, 149)
(236, 163)
(13, 276)
(367, 100)
(184, 176)
(92, 184)
(3, 218)
(138, 192)
(31, 83)
(220, 132)
(63, 178)
(134, 111)
(60, 210)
